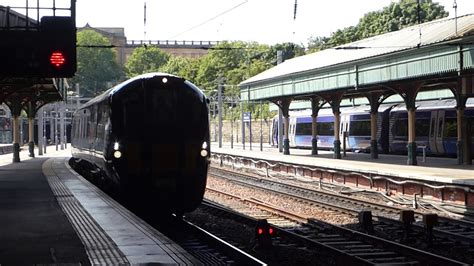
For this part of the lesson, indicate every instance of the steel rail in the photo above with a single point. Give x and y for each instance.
(467, 225)
(352, 234)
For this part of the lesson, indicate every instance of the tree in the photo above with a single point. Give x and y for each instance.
(96, 66)
(391, 18)
(182, 66)
(397, 16)
(317, 44)
(144, 60)
(238, 61)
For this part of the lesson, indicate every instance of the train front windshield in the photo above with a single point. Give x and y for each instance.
(165, 110)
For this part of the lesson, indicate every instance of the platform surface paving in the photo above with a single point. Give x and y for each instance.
(51, 215)
(33, 229)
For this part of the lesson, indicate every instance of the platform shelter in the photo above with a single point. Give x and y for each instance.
(426, 57)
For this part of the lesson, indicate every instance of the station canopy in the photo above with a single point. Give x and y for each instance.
(440, 48)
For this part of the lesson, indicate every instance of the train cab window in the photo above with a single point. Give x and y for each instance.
(133, 113)
(450, 128)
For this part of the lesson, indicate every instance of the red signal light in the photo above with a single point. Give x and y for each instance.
(270, 231)
(57, 59)
(260, 231)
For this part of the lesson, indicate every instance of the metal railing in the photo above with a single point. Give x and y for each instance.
(17, 16)
(172, 43)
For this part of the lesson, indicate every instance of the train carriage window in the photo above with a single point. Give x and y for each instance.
(432, 128)
(303, 129)
(400, 128)
(325, 128)
(422, 127)
(359, 128)
(450, 128)
(440, 127)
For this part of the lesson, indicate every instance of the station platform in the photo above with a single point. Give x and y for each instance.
(438, 179)
(433, 169)
(51, 215)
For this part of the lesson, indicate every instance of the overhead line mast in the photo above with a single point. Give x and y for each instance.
(144, 21)
(294, 19)
(294, 12)
(455, 6)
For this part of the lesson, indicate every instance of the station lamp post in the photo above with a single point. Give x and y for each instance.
(261, 126)
(231, 127)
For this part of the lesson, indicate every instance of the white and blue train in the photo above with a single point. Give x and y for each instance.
(435, 125)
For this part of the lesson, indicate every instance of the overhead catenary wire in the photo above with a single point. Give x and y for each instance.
(210, 19)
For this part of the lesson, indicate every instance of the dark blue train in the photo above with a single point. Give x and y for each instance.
(436, 127)
(149, 136)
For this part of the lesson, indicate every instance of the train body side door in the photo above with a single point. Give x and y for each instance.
(291, 131)
(436, 132)
(344, 127)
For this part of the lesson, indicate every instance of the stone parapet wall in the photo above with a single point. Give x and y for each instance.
(237, 129)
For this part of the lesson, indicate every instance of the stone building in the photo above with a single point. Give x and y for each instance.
(125, 47)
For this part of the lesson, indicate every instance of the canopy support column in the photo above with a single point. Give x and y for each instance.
(15, 106)
(334, 99)
(316, 104)
(285, 108)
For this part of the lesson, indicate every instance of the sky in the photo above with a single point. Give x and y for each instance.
(263, 21)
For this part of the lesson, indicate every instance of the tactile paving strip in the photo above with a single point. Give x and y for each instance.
(177, 253)
(136, 239)
(99, 247)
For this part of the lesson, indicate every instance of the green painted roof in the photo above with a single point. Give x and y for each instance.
(407, 39)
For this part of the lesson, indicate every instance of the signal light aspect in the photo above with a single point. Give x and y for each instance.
(263, 234)
(57, 59)
(261, 231)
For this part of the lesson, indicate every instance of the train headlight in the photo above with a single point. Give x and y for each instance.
(204, 145)
(116, 146)
(117, 154)
(164, 80)
(204, 153)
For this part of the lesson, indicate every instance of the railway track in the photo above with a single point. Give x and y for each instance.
(204, 246)
(449, 232)
(343, 244)
(456, 230)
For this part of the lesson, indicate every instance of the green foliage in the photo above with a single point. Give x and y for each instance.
(95, 66)
(182, 66)
(391, 18)
(230, 63)
(317, 43)
(237, 61)
(145, 60)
